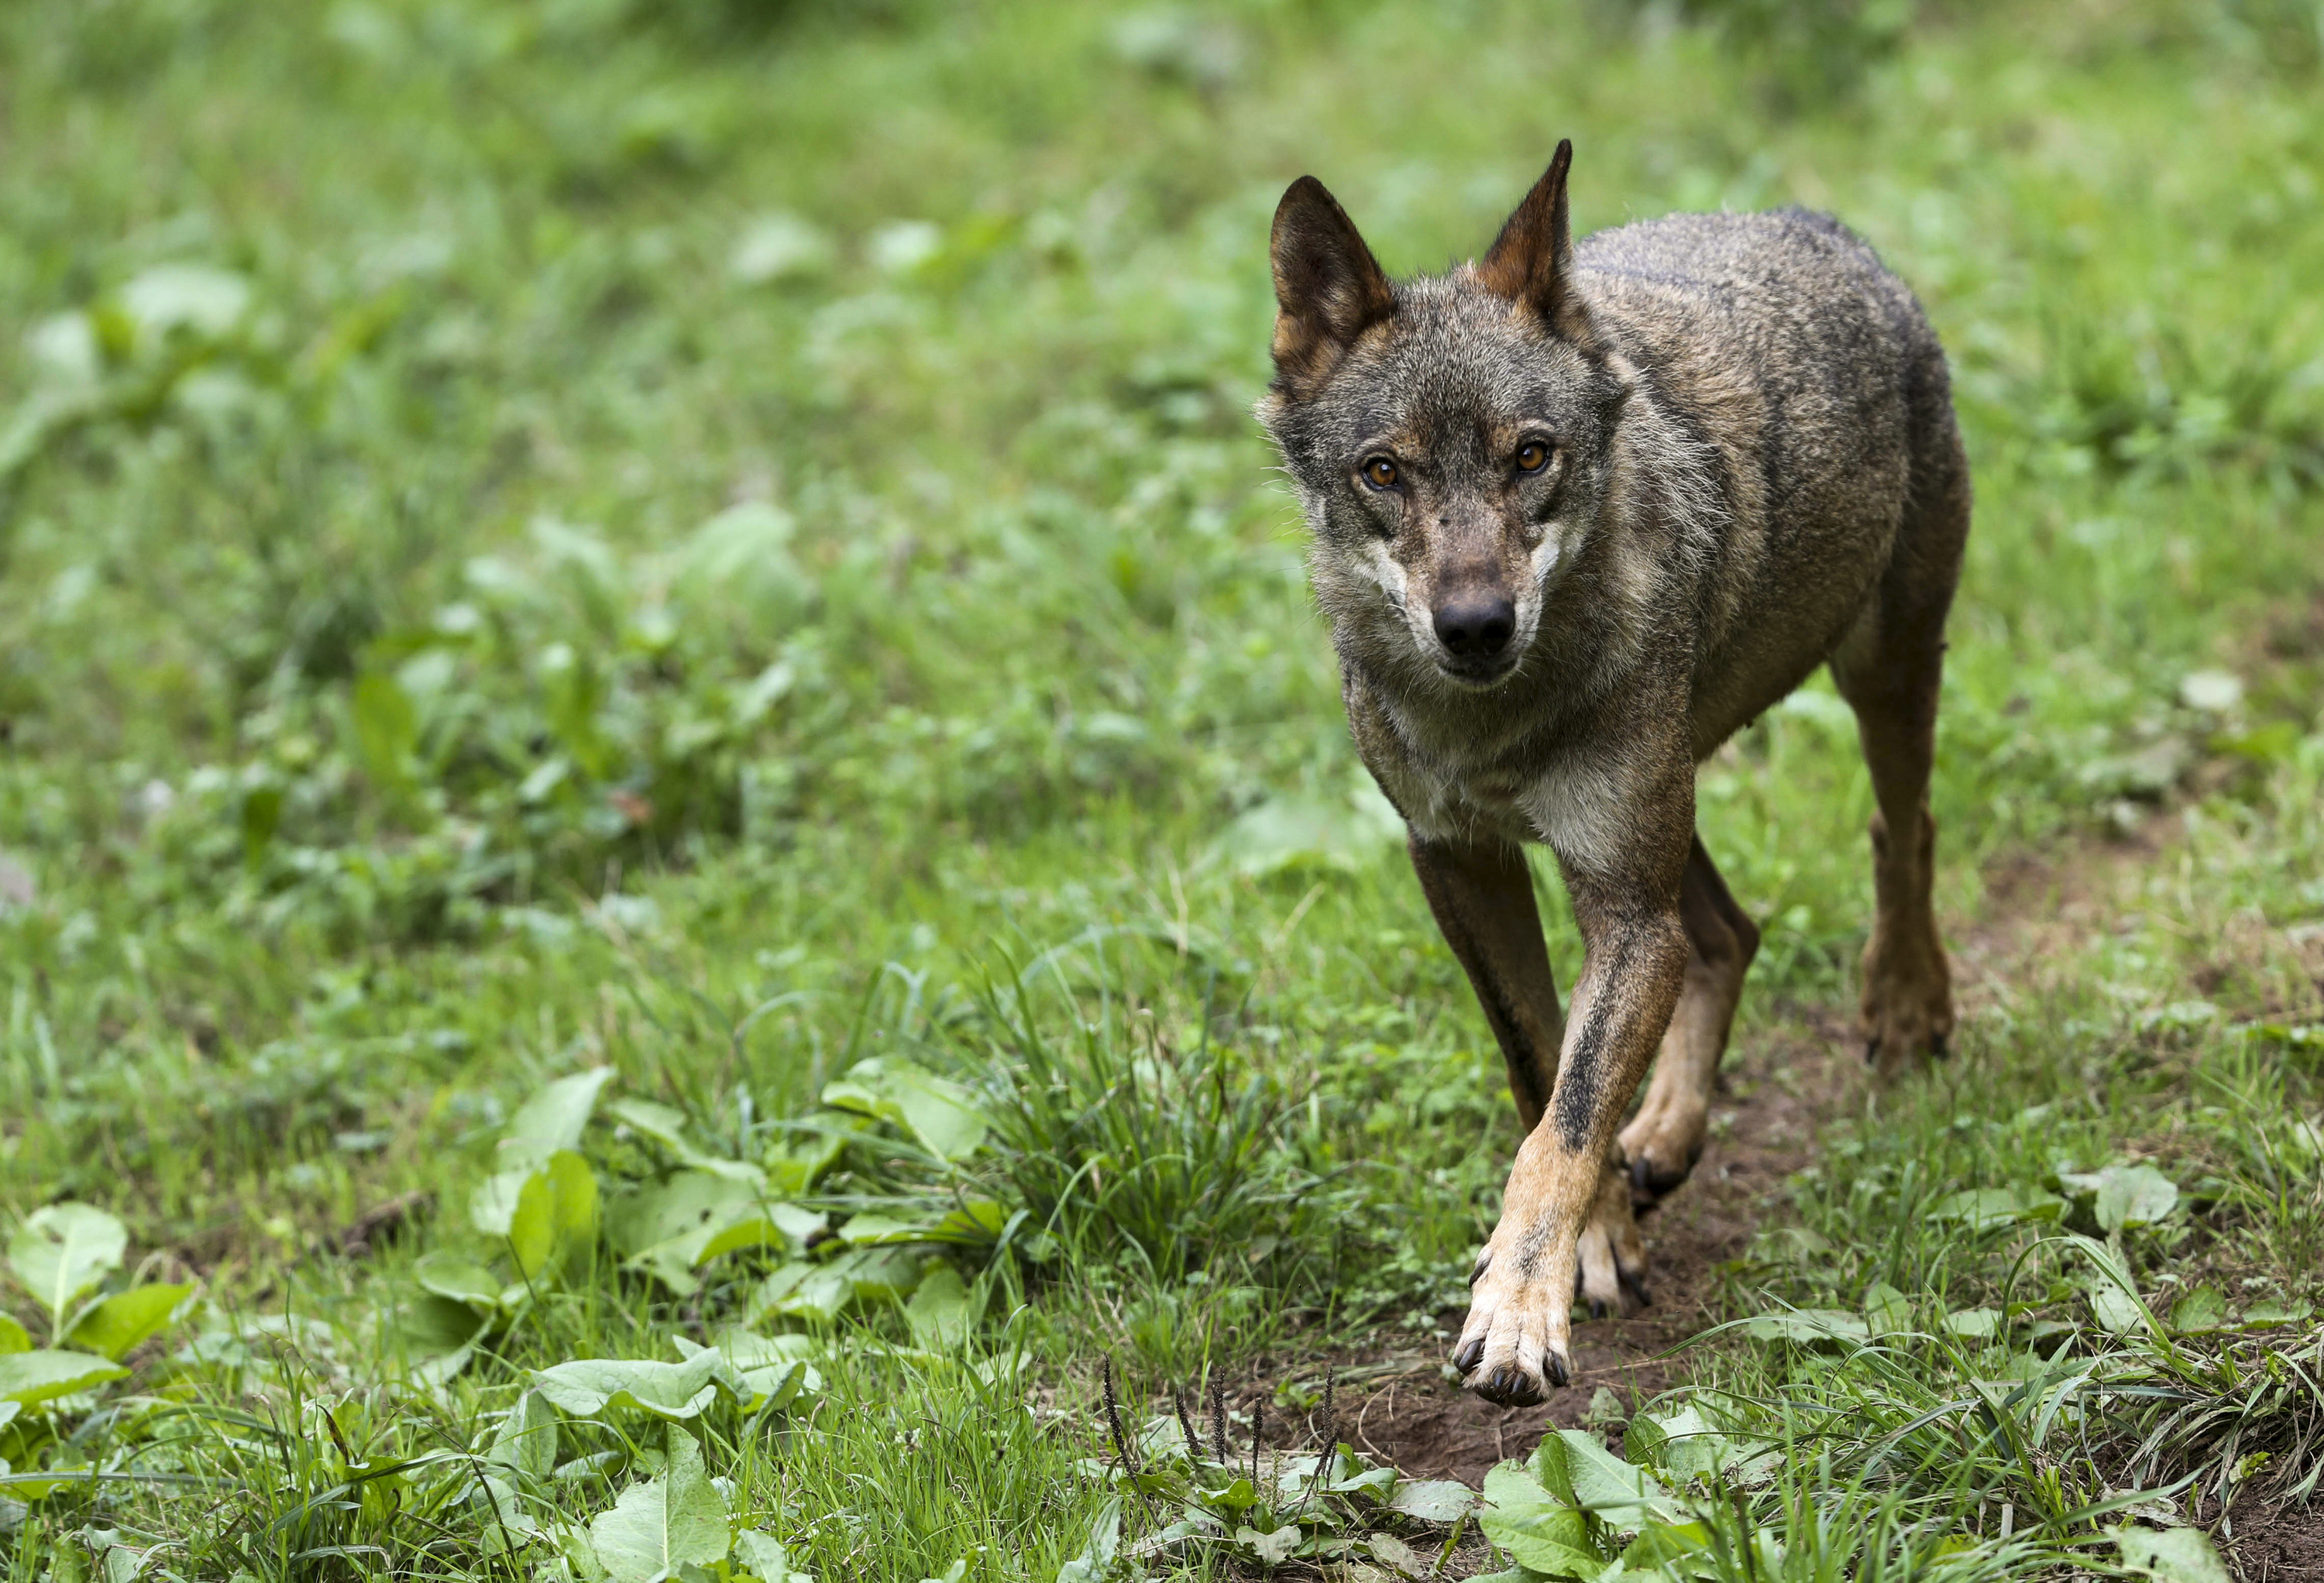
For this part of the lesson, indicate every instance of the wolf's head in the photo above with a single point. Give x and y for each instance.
(1449, 437)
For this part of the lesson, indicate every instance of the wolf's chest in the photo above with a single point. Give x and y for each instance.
(1447, 793)
(1574, 800)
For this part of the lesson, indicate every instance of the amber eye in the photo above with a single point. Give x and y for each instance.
(1380, 473)
(1532, 456)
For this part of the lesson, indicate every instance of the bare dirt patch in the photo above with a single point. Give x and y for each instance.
(2277, 1544)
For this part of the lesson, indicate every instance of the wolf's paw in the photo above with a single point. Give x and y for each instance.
(1661, 1146)
(1908, 1001)
(1515, 1345)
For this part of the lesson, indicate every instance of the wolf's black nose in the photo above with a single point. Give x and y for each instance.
(1476, 626)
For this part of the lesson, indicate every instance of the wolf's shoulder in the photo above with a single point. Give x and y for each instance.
(1715, 250)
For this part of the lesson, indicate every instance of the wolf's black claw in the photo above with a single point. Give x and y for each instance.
(1465, 1357)
(1555, 1364)
(1597, 1308)
(1484, 1261)
(1636, 1287)
(1509, 1388)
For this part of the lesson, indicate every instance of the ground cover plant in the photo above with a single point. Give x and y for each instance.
(681, 893)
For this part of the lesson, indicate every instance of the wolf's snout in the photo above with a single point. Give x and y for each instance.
(1476, 626)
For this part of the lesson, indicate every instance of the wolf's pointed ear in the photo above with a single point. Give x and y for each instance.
(1328, 287)
(1532, 260)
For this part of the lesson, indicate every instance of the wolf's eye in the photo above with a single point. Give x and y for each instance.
(1532, 456)
(1380, 473)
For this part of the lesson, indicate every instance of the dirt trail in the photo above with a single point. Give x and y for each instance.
(1778, 1091)
(1780, 1086)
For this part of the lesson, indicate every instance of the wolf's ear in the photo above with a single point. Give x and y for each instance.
(1328, 287)
(1532, 260)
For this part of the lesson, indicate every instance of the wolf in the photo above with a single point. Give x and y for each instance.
(1576, 514)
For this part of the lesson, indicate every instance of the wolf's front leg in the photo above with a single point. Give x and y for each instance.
(1566, 1229)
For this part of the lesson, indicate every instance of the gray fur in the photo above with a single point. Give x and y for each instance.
(1763, 400)
(1576, 514)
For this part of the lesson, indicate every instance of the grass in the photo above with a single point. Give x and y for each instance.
(724, 541)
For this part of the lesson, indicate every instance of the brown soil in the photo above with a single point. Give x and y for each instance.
(2277, 1544)
(1396, 1406)
(1778, 1089)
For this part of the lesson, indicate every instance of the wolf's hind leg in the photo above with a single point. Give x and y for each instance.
(1888, 670)
(1665, 1137)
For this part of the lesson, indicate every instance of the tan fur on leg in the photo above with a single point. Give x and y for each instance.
(1664, 1140)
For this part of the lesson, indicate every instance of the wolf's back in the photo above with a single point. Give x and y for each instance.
(1779, 341)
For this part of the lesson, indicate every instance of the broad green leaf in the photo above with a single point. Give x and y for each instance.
(1096, 1561)
(667, 1127)
(875, 1229)
(1676, 1547)
(1513, 1487)
(741, 561)
(1601, 1481)
(799, 1290)
(938, 1312)
(437, 1333)
(802, 1159)
(775, 1370)
(62, 1251)
(545, 1213)
(126, 1318)
(1293, 831)
(27, 1377)
(2170, 1555)
(765, 1558)
(202, 300)
(1273, 1549)
(1397, 1553)
(1433, 1500)
(526, 1440)
(1375, 1482)
(2267, 1311)
(1974, 1324)
(1886, 1310)
(664, 1523)
(493, 1206)
(386, 729)
(2117, 1311)
(697, 1216)
(1550, 1538)
(1984, 1208)
(555, 1117)
(783, 1226)
(461, 1280)
(882, 1275)
(588, 1386)
(688, 1205)
(941, 1113)
(2200, 1311)
(863, 1275)
(977, 1223)
(13, 1337)
(2134, 1195)
(1684, 1445)
(1807, 1326)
